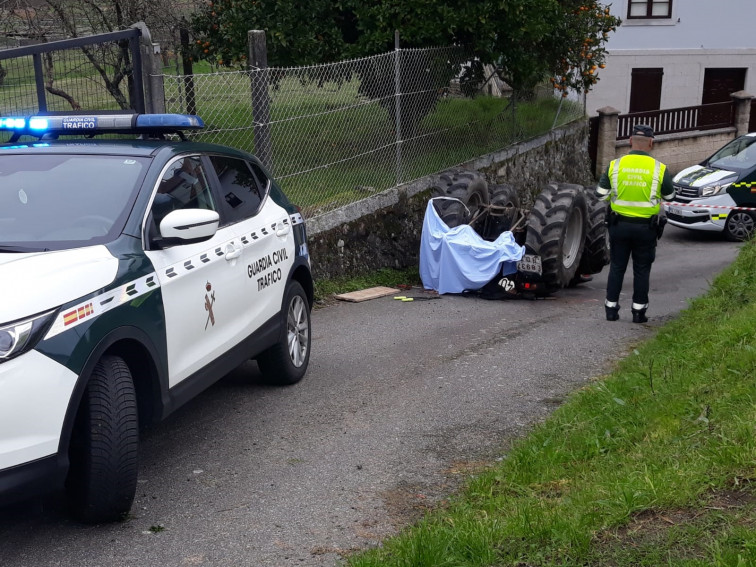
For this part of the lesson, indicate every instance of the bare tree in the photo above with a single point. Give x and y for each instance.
(111, 64)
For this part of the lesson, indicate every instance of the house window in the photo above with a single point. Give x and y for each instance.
(718, 85)
(645, 89)
(648, 9)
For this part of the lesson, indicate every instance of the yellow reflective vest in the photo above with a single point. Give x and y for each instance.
(635, 181)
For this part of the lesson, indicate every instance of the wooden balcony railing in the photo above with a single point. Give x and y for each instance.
(671, 120)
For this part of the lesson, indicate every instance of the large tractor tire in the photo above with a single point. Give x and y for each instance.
(596, 251)
(503, 213)
(556, 231)
(469, 192)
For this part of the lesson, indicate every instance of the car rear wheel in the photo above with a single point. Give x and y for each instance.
(739, 226)
(286, 362)
(102, 477)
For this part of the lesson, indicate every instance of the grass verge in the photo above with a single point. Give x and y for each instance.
(654, 464)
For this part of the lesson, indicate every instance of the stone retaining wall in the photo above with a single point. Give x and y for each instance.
(383, 231)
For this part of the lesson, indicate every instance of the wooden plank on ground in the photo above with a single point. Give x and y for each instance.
(365, 294)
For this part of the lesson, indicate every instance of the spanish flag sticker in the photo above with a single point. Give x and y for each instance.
(78, 314)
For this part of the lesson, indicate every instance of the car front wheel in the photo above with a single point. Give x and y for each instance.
(739, 226)
(102, 477)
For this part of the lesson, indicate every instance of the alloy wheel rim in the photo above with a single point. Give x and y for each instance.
(742, 225)
(298, 331)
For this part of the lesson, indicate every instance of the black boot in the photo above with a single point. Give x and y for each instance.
(612, 313)
(639, 316)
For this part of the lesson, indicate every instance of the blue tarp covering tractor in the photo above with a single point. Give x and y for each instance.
(477, 238)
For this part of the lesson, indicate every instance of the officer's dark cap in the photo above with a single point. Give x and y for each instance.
(643, 130)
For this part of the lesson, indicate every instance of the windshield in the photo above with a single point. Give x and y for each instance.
(738, 155)
(53, 202)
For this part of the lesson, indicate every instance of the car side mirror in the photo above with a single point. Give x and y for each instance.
(187, 226)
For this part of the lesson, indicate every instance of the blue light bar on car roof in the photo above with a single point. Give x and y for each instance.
(179, 121)
(95, 123)
(11, 123)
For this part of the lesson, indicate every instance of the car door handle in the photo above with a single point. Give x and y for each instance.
(232, 252)
(283, 229)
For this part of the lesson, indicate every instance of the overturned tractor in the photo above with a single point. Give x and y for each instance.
(564, 233)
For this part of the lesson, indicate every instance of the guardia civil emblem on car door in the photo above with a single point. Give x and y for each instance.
(209, 301)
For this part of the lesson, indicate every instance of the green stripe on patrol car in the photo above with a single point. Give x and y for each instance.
(95, 306)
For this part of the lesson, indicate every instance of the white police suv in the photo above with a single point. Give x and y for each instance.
(719, 194)
(134, 273)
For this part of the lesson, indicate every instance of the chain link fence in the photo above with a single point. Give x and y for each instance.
(342, 131)
(331, 134)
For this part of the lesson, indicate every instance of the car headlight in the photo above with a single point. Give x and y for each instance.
(714, 189)
(18, 337)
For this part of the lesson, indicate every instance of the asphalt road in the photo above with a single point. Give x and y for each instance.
(402, 402)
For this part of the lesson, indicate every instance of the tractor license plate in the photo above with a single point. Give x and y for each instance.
(530, 263)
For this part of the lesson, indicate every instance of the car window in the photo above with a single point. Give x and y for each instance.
(184, 185)
(239, 188)
(738, 155)
(260, 174)
(57, 201)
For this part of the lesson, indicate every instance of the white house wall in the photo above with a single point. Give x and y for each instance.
(701, 34)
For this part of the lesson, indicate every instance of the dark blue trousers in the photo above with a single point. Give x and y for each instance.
(626, 240)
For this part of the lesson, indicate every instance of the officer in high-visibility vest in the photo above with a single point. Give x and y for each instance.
(635, 184)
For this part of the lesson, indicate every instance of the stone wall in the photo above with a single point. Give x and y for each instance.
(384, 230)
(385, 238)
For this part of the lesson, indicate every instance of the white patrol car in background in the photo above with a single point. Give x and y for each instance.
(720, 193)
(134, 273)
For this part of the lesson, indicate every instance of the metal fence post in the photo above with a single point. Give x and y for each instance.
(559, 109)
(138, 73)
(258, 72)
(398, 106)
(39, 78)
